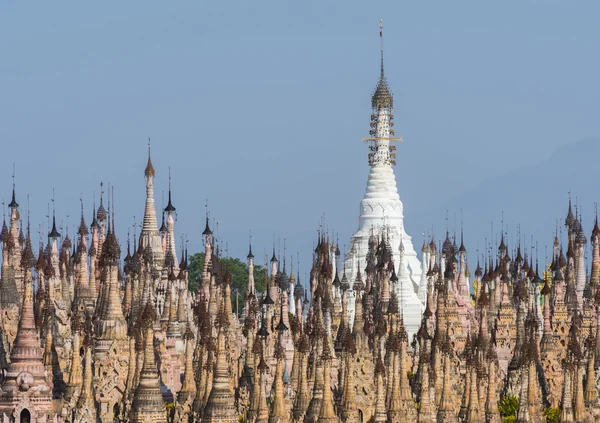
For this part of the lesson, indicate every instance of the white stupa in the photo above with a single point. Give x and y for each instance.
(381, 211)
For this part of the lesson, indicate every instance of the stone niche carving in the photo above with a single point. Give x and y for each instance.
(24, 381)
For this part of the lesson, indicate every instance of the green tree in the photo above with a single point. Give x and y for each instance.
(552, 415)
(237, 268)
(508, 407)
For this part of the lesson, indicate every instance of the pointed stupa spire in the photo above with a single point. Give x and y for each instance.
(13, 202)
(54, 233)
(170, 208)
(207, 231)
(150, 236)
(382, 97)
(163, 226)
(27, 258)
(570, 219)
(170, 228)
(250, 255)
(149, 171)
(82, 230)
(595, 230)
(281, 326)
(478, 271)
(22, 236)
(94, 221)
(101, 214)
(4, 235)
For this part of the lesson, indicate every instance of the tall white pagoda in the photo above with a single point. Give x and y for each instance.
(381, 211)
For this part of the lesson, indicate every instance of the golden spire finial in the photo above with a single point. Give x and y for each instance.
(149, 168)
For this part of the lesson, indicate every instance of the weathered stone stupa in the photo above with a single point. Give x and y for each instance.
(25, 393)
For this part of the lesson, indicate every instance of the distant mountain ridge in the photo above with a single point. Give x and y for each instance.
(534, 197)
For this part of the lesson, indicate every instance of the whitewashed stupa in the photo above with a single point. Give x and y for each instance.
(381, 211)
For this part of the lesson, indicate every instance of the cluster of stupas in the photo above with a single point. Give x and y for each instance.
(87, 337)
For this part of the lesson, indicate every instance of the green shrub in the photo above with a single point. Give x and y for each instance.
(552, 415)
(508, 407)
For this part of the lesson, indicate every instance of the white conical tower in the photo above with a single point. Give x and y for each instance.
(381, 211)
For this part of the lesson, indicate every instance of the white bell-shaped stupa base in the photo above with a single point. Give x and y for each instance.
(381, 214)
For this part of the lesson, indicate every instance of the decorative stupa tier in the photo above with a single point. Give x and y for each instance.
(382, 212)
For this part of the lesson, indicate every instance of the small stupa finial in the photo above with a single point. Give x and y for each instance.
(250, 255)
(170, 208)
(149, 172)
(53, 233)
(13, 203)
(207, 232)
(381, 42)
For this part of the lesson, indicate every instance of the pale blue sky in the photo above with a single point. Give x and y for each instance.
(260, 106)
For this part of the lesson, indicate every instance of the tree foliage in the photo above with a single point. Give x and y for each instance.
(237, 268)
(508, 407)
(552, 415)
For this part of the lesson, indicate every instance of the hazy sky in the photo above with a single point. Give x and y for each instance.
(260, 106)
